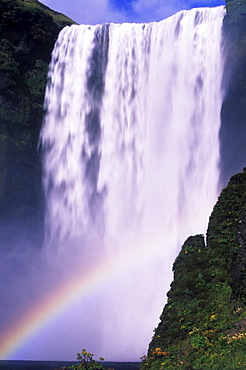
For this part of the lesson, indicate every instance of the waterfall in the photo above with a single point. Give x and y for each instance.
(131, 163)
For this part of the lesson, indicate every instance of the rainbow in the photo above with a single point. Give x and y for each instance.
(42, 313)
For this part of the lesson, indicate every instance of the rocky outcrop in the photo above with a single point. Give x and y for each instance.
(28, 31)
(206, 307)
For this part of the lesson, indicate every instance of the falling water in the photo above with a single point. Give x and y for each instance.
(130, 152)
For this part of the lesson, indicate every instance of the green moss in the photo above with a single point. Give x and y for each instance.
(203, 324)
(34, 6)
(36, 80)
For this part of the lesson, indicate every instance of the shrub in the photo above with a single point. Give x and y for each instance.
(86, 361)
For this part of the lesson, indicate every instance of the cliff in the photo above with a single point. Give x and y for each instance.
(28, 31)
(203, 324)
(233, 112)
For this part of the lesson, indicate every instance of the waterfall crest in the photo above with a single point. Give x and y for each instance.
(130, 155)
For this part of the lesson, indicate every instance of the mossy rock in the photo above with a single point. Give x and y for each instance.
(205, 314)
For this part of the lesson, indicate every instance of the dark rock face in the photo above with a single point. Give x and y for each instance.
(28, 31)
(233, 113)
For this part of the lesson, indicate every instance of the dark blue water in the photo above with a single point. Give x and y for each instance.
(52, 365)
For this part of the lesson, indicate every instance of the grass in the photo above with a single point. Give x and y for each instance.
(31, 5)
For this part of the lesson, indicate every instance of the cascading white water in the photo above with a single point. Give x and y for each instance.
(131, 151)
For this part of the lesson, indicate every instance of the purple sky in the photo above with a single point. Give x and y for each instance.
(103, 11)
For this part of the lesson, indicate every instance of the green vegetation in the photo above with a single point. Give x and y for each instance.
(36, 6)
(203, 324)
(86, 362)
